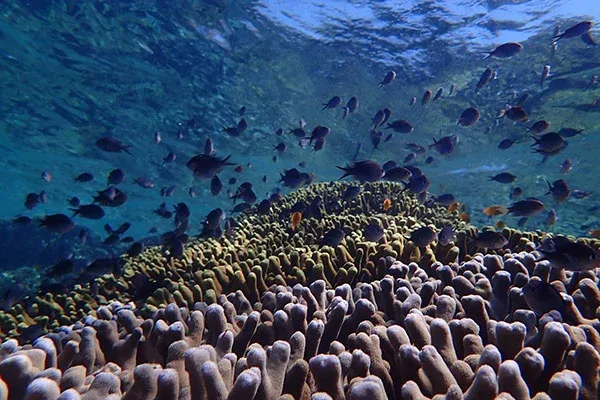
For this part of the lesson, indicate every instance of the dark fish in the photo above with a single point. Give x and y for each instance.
(417, 148)
(484, 78)
(375, 138)
(515, 193)
(566, 166)
(205, 166)
(213, 219)
(526, 208)
(505, 50)
(490, 240)
(438, 94)
(397, 174)
(551, 218)
(413, 101)
(446, 235)
(452, 89)
(549, 142)
(400, 126)
(162, 211)
(445, 145)
(542, 297)
(572, 256)
(539, 126)
(516, 113)
(332, 238)
(110, 197)
(89, 211)
(388, 138)
(418, 184)
(409, 158)
(505, 144)
(468, 117)
(63, 267)
(32, 200)
(389, 77)
(319, 132)
(445, 199)
(351, 192)
(588, 39)
(43, 196)
(123, 228)
(332, 103)
(559, 190)
(264, 207)
(351, 106)
(169, 158)
(57, 223)
(423, 236)
(293, 178)
(215, 186)
(504, 177)
(84, 177)
(22, 220)
(569, 132)
(574, 31)
(232, 181)
(112, 145)
(144, 182)
(373, 232)
(281, 147)
(364, 171)
(115, 177)
(279, 132)
(415, 171)
(135, 249)
(429, 160)
(377, 119)
(182, 216)
(426, 97)
(239, 168)
(581, 194)
(387, 113)
(545, 75)
(522, 99)
(298, 132)
(241, 126)
(389, 165)
(157, 137)
(242, 111)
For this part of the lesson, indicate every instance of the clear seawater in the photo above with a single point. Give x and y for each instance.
(74, 71)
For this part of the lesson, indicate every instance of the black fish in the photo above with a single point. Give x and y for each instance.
(526, 208)
(504, 177)
(574, 31)
(445, 145)
(418, 184)
(409, 157)
(426, 97)
(169, 158)
(84, 177)
(569, 132)
(559, 190)
(484, 78)
(468, 117)
(389, 77)
(110, 197)
(32, 200)
(516, 113)
(539, 126)
(332, 103)
(505, 144)
(293, 178)
(57, 223)
(542, 297)
(389, 165)
(445, 199)
(572, 256)
(423, 236)
(281, 147)
(490, 240)
(373, 232)
(351, 106)
(505, 50)
(400, 126)
(320, 132)
(22, 220)
(205, 166)
(446, 235)
(377, 119)
(215, 186)
(89, 211)
(115, 177)
(351, 192)
(438, 94)
(397, 174)
(112, 145)
(364, 171)
(332, 238)
(548, 142)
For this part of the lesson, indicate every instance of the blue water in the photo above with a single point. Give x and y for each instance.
(74, 71)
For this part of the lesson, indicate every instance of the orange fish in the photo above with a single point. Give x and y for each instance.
(464, 217)
(296, 218)
(454, 206)
(387, 204)
(500, 224)
(493, 211)
(595, 233)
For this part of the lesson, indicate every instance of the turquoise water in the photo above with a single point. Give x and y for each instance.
(75, 71)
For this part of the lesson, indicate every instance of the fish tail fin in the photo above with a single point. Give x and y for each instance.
(324, 106)
(346, 172)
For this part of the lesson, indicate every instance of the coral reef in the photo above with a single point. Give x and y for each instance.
(269, 313)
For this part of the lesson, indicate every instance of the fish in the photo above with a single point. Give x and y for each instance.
(242, 111)
(389, 165)
(522, 100)
(397, 174)
(429, 160)
(351, 192)
(373, 232)
(389, 78)
(298, 132)
(332, 103)
(115, 177)
(294, 179)
(505, 50)
(413, 101)
(320, 132)
(576, 30)
(542, 297)
(169, 158)
(32, 200)
(375, 138)
(417, 148)
(426, 97)
(295, 220)
(46, 176)
(144, 182)
(168, 191)
(377, 119)
(445, 235)
(232, 181)
(495, 210)
(490, 240)
(387, 113)
(110, 197)
(417, 184)
(504, 177)
(484, 78)
(215, 186)
(548, 142)
(580, 194)
(559, 190)
(515, 193)
(364, 171)
(516, 114)
(588, 39)
(135, 249)
(351, 106)
(565, 254)
(468, 117)
(57, 223)
(453, 207)
(409, 158)
(280, 147)
(205, 166)
(387, 204)
(566, 166)
(279, 132)
(423, 237)
(526, 208)
(539, 126)
(452, 89)
(438, 94)
(545, 75)
(569, 132)
(445, 199)
(551, 218)
(400, 126)
(162, 211)
(112, 145)
(332, 238)
(22, 220)
(89, 211)
(506, 144)
(157, 137)
(84, 177)
(500, 224)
